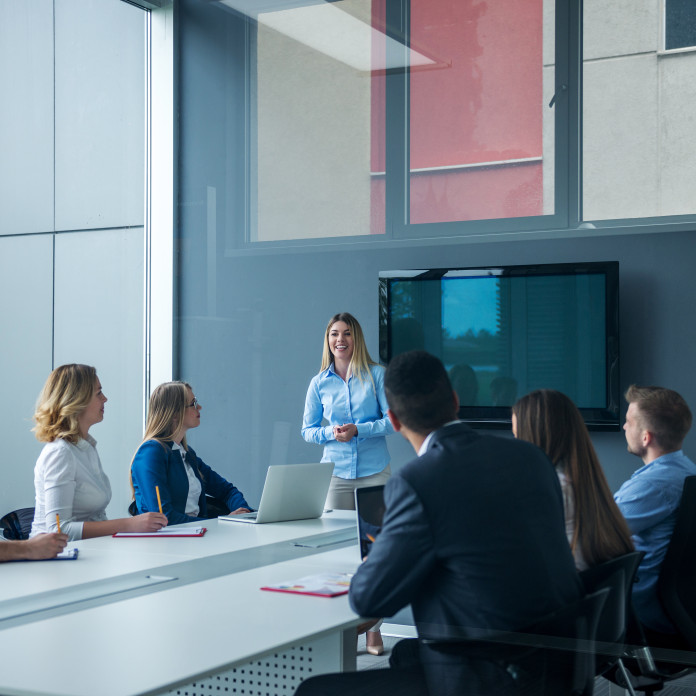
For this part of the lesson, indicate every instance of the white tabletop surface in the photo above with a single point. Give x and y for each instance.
(104, 558)
(149, 644)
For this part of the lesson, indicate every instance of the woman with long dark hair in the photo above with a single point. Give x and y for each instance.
(596, 529)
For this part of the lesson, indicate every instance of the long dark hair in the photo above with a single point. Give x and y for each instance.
(550, 420)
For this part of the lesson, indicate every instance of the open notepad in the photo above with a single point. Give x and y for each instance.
(167, 532)
(320, 585)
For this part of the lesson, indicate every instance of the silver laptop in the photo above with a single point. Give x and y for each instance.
(291, 492)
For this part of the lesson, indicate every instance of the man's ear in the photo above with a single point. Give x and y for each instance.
(456, 401)
(647, 437)
(394, 420)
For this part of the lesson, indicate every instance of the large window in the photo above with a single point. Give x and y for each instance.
(388, 119)
(680, 24)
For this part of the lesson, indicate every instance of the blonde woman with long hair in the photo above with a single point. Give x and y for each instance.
(166, 462)
(69, 481)
(349, 394)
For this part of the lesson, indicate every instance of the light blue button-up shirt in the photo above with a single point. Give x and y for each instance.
(362, 403)
(649, 501)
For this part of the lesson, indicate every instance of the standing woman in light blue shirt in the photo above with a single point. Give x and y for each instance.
(348, 393)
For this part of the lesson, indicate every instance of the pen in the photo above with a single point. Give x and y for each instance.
(159, 500)
(58, 522)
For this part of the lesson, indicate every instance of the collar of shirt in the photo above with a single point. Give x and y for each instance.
(181, 450)
(331, 369)
(676, 457)
(84, 442)
(426, 443)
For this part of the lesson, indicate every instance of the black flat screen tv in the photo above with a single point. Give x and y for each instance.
(503, 331)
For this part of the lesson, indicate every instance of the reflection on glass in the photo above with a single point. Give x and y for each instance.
(501, 337)
(319, 88)
(477, 118)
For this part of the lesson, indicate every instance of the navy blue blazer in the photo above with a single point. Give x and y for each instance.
(473, 537)
(158, 464)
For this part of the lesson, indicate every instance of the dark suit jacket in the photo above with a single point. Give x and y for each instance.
(473, 538)
(157, 464)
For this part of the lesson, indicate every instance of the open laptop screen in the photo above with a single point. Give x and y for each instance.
(369, 506)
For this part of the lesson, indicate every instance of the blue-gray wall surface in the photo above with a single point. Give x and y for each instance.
(252, 362)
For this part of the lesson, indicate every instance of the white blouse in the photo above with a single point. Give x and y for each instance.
(69, 481)
(569, 511)
(195, 488)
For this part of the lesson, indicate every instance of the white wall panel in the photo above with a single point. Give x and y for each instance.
(26, 280)
(677, 128)
(620, 27)
(100, 107)
(99, 321)
(26, 116)
(620, 144)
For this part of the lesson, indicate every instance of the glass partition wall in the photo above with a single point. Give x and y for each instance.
(319, 143)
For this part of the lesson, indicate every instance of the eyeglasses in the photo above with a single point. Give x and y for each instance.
(194, 404)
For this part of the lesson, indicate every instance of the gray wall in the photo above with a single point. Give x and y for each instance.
(72, 125)
(251, 363)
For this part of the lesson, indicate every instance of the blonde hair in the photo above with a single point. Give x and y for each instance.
(166, 411)
(66, 394)
(361, 361)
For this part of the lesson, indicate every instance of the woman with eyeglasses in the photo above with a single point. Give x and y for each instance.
(72, 490)
(164, 461)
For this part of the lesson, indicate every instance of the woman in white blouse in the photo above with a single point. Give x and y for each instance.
(69, 481)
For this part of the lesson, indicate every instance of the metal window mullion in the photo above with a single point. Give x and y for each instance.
(397, 153)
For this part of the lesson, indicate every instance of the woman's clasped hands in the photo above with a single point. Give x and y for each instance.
(346, 432)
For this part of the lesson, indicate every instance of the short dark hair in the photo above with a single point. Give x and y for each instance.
(662, 412)
(419, 391)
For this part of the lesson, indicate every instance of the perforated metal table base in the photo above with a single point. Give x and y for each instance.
(279, 673)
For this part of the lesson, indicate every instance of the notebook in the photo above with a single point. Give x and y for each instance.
(172, 532)
(369, 507)
(291, 492)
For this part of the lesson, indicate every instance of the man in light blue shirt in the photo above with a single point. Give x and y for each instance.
(657, 422)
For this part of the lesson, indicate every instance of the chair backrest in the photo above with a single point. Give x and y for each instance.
(552, 657)
(565, 640)
(17, 524)
(677, 582)
(617, 575)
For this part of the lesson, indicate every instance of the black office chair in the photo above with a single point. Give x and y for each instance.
(659, 662)
(553, 657)
(677, 583)
(17, 524)
(617, 575)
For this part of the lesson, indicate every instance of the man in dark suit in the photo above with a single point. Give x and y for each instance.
(473, 538)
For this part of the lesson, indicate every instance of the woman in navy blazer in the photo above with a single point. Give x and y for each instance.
(165, 461)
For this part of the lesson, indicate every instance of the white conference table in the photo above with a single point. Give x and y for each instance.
(218, 628)
(106, 558)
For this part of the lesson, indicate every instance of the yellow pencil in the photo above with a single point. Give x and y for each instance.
(58, 522)
(159, 500)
